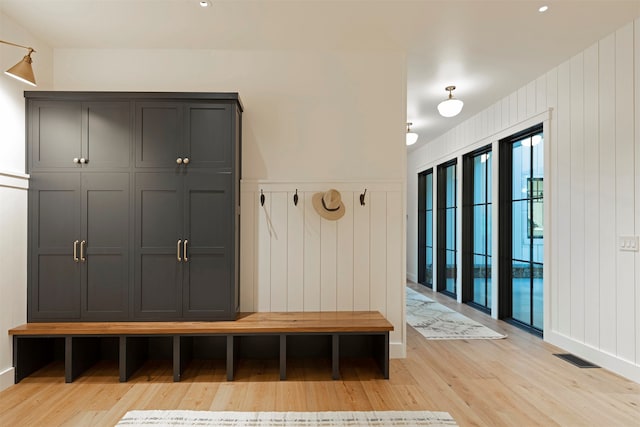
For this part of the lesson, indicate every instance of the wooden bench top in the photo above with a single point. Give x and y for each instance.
(247, 323)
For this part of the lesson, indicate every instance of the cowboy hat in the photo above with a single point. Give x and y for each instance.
(329, 204)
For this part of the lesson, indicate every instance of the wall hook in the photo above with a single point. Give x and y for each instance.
(295, 198)
(261, 198)
(362, 197)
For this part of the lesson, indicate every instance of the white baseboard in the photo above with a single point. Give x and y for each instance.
(412, 277)
(7, 378)
(608, 361)
(397, 350)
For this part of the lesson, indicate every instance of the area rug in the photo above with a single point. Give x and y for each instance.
(286, 419)
(437, 322)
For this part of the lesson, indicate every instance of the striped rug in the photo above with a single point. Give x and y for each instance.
(287, 419)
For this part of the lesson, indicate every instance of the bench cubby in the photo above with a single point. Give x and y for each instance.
(277, 336)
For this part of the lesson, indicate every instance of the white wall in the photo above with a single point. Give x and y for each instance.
(312, 121)
(14, 184)
(309, 115)
(592, 189)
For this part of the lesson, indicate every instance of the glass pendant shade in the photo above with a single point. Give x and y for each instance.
(450, 107)
(412, 137)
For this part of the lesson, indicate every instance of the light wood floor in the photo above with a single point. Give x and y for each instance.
(512, 382)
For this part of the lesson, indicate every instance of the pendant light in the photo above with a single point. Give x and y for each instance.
(22, 70)
(451, 106)
(412, 137)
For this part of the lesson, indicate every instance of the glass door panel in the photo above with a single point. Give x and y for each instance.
(425, 228)
(476, 235)
(522, 241)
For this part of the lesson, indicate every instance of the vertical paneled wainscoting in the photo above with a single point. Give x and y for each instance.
(592, 193)
(291, 259)
(13, 265)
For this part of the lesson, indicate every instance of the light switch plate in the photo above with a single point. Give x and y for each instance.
(629, 243)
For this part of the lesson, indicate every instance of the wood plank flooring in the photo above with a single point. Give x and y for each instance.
(512, 382)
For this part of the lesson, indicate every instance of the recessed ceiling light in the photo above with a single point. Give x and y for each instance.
(205, 4)
(543, 9)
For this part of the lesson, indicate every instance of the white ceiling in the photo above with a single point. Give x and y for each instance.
(488, 49)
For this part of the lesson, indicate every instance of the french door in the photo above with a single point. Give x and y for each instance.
(477, 229)
(447, 229)
(425, 228)
(522, 229)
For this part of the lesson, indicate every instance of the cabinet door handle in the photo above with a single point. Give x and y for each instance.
(82, 245)
(83, 160)
(76, 160)
(184, 251)
(75, 251)
(186, 161)
(178, 250)
(179, 160)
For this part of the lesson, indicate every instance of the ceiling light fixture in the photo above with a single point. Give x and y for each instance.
(450, 107)
(205, 4)
(412, 137)
(22, 70)
(543, 9)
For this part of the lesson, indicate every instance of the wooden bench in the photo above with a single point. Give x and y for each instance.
(82, 344)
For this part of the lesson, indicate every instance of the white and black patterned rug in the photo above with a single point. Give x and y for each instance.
(287, 419)
(437, 322)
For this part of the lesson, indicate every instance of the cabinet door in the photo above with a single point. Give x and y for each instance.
(105, 233)
(207, 287)
(158, 226)
(108, 135)
(54, 221)
(55, 134)
(158, 133)
(208, 139)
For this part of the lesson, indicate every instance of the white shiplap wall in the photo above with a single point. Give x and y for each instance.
(592, 306)
(294, 260)
(13, 265)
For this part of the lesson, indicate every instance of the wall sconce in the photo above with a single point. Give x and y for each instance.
(412, 137)
(450, 107)
(22, 70)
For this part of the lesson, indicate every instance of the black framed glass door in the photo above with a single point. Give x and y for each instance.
(425, 228)
(522, 229)
(447, 271)
(477, 229)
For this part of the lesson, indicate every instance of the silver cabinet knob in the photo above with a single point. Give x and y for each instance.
(76, 160)
(186, 160)
(179, 160)
(83, 160)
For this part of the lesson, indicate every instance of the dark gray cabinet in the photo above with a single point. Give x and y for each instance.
(54, 227)
(133, 205)
(75, 134)
(184, 245)
(197, 135)
(79, 246)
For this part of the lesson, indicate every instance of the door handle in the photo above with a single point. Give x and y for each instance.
(75, 251)
(82, 245)
(178, 250)
(184, 251)
(186, 161)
